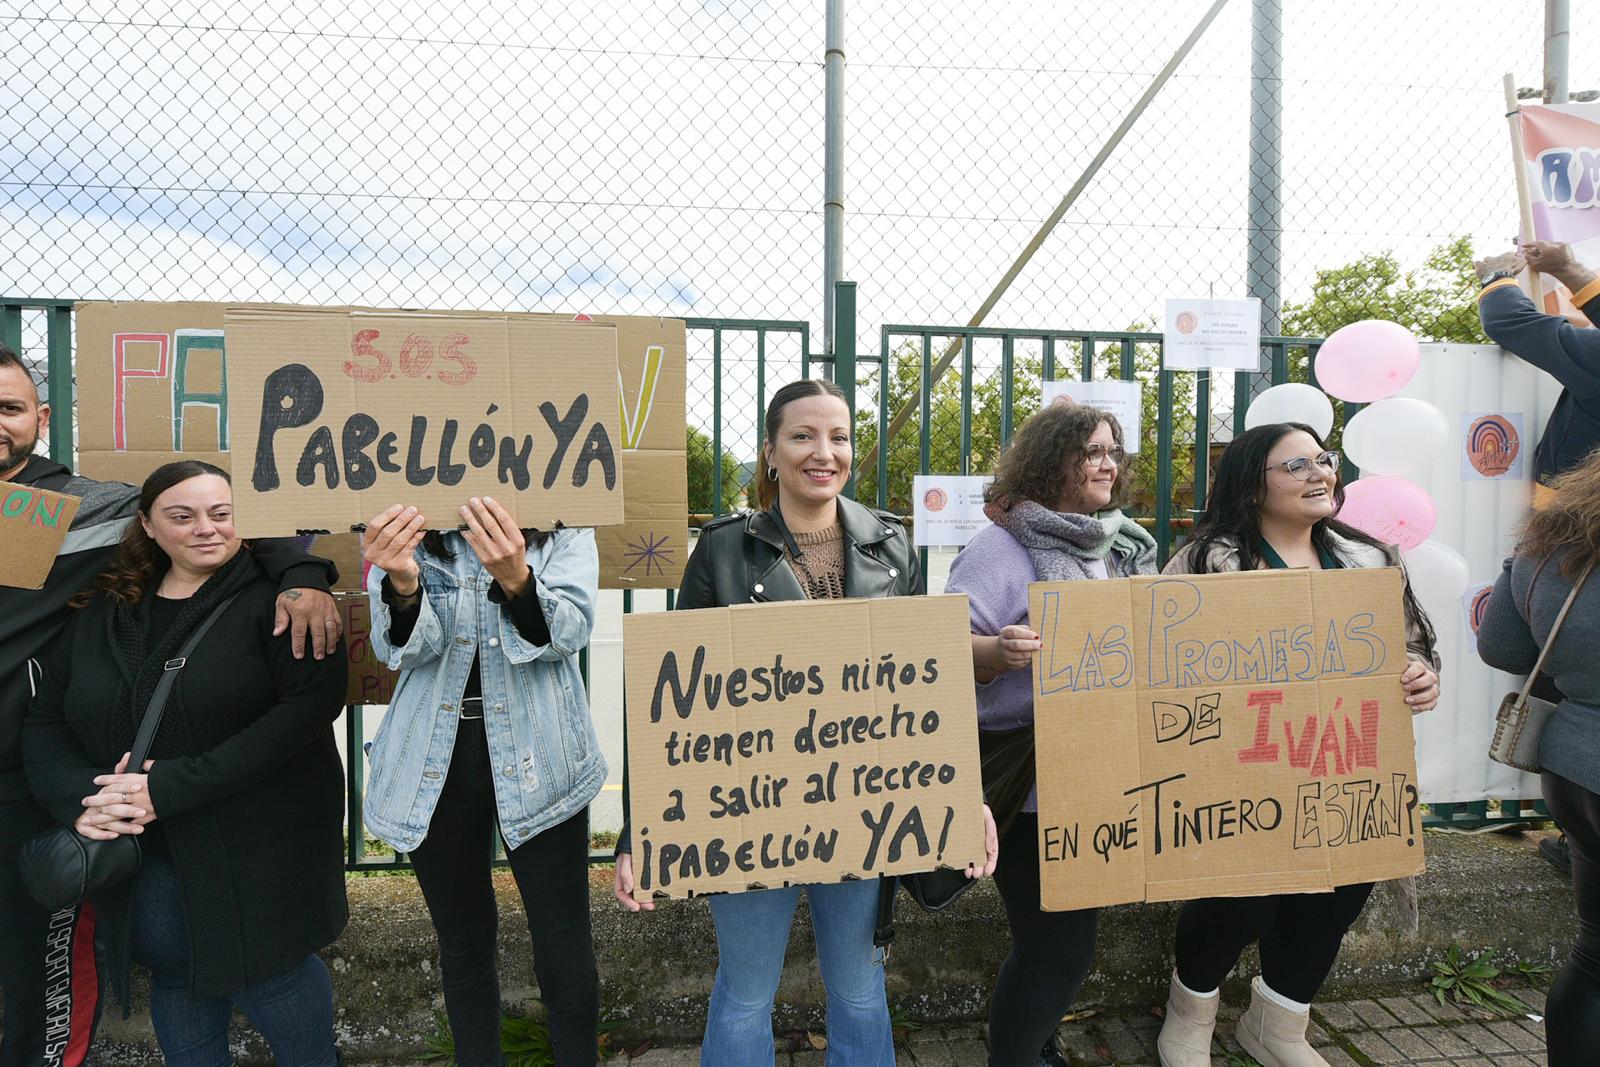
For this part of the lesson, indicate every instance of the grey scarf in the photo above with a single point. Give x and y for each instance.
(1059, 542)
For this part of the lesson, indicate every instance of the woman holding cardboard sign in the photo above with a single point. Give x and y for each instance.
(1272, 505)
(489, 727)
(805, 542)
(1055, 503)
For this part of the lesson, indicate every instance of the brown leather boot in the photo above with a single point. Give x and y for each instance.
(1274, 1035)
(1185, 1039)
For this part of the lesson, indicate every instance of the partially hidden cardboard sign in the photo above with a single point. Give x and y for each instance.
(33, 523)
(153, 386)
(814, 741)
(1222, 735)
(370, 681)
(351, 411)
(648, 549)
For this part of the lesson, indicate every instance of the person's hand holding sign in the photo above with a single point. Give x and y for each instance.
(1421, 684)
(390, 543)
(498, 541)
(1011, 649)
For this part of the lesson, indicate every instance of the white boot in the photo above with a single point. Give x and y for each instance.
(1185, 1039)
(1275, 1035)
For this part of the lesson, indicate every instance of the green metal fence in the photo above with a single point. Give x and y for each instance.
(1008, 366)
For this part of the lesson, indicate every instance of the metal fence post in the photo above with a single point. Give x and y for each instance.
(844, 356)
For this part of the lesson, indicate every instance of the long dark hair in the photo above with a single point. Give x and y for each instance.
(1233, 508)
(1054, 441)
(134, 562)
(767, 488)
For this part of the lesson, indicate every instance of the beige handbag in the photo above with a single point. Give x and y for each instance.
(1520, 722)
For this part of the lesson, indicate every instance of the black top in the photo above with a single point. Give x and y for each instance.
(527, 615)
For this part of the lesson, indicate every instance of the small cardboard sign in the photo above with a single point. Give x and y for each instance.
(801, 742)
(948, 508)
(1121, 399)
(33, 523)
(1204, 334)
(153, 386)
(345, 413)
(1222, 735)
(370, 680)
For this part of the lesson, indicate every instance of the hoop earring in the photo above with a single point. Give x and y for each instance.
(772, 474)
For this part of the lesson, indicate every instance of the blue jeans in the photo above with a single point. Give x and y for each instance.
(752, 933)
(293, 1011)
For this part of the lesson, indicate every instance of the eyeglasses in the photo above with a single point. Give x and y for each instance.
(1302, 468)
(1096, 455)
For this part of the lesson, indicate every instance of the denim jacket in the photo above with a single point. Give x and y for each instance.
(546, 757)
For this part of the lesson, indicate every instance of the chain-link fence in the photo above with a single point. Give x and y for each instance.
(666, 157)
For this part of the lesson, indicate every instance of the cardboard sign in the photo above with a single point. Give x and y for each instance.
(349, 412)
(792, 743)
(152, 386)
(370, 681)
(1222, 735)
(1122, 399)
(948, 508)
(648, 549)
(1212, 334)
(33, 523)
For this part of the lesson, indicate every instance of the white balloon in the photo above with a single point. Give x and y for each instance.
(1294, 402)
(1400, 435)
(1438, 573)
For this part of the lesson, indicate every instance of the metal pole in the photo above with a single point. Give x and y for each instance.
(1557, 34)
(833, 180)
(1264, 270)
(1071, 197)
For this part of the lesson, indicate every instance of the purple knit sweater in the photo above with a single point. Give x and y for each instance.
(994, 571)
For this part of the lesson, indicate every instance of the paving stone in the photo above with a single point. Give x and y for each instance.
(668, 1057)
(1418, 1045)
(1447, 1012)
(1372, 1045)
(1532, 996)
(1078, 1045)
(1337, 1015)
(1407, 1010)
(1475, 1061)
(1338, 1057)
(1514, 1035)
(1317, 1036)
(1128, 1046)
(1372, 1014)
(967, 1050)
(1481, 1038)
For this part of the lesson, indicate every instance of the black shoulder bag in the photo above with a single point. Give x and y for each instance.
(61, 867)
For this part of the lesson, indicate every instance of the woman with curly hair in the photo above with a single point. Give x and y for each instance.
(1055, 503)
(1555, 551)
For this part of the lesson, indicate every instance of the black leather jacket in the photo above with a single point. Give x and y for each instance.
(740, 559)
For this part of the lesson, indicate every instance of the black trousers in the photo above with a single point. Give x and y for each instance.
(1572, 1010)
(552, 874)
(1051, 953)
(1300, 935)
(47, 962)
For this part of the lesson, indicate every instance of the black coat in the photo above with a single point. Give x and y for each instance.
(739, 559)
(247, 785)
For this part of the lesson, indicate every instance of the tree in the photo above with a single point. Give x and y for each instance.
(1437, 302)
(701, 470)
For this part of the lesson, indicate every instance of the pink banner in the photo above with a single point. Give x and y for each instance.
(1561, 145)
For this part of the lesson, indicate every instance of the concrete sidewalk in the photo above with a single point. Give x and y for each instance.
(1407, 1029)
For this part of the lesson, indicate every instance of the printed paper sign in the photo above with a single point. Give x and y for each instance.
(792, 743)
(33, 523)
(1122, 399)
(1222, 735)
(1212, 334)
(948, 508)
(153, 386)
(370, 681)
(1492, 446)
(1561, 143)
(349, 412)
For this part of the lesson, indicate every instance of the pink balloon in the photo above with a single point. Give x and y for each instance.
(1367, 361)
(1394, 510)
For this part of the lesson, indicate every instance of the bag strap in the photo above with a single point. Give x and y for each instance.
(169, 677)
(883, 921)
(1555, 629)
